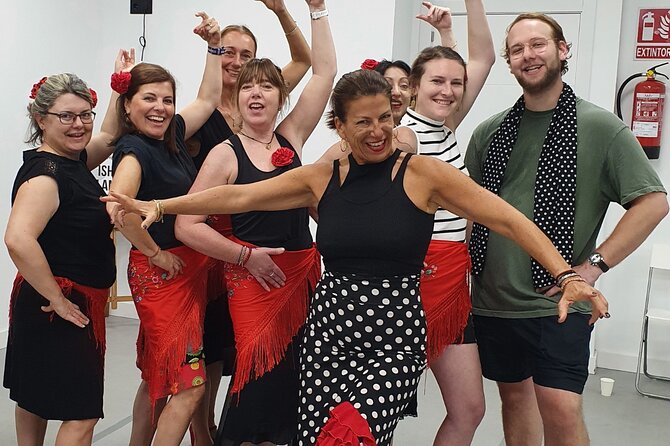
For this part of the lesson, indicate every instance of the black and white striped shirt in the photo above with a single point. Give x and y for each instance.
(435, 139)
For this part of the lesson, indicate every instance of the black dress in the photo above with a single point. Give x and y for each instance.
(266, 408)
(365, 335)
(53, 368)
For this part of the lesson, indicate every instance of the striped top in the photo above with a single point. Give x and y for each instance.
(435, 139)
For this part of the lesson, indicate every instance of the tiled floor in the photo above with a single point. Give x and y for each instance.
(625, 418)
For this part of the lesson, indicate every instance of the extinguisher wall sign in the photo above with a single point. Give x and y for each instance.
(653, 34)
(648, 101)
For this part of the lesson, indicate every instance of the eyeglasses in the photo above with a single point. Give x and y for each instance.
(68, 118)
(536, 45)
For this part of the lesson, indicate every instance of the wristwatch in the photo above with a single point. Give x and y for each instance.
(596, 259)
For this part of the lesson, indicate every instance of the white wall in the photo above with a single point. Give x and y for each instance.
(83, 37)
(625, 286)
(41, 38)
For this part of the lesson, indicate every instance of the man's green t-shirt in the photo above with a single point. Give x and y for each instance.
(611, 167)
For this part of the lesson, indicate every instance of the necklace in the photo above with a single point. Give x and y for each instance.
(236, 119)
(267, 144)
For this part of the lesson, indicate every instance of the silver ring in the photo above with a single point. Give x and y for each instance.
(272, 274)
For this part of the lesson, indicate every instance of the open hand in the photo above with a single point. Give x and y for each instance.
(436, 16)
(171, 263)
(208, 29)
(576, 291)
(67, 310)
(146, 209)
(125, 60)
(264, 270)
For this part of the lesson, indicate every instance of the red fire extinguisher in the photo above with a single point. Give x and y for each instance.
(647, 116)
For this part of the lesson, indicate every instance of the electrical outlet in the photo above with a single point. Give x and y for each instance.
(140, 6)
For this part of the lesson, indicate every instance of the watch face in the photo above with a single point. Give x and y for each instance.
(595, 258)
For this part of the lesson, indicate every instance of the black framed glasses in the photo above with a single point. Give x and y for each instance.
(68, 118)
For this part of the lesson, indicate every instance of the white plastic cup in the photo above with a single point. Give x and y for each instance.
(606, 386)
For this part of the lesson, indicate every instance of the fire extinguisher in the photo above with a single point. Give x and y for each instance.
(647, 116)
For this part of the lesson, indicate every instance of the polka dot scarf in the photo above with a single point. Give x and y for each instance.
(555, 182)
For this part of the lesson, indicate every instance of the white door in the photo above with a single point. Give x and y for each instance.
(501, 89)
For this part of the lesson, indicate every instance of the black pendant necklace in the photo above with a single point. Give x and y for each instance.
(267, 144)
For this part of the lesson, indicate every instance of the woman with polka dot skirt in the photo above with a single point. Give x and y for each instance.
(365, 340)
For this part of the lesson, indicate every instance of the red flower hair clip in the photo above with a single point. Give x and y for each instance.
(121, 81)
(36, 87)
(283, 156)
(94, 97)
(369, 64)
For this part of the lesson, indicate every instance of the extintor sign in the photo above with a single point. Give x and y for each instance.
(653, 34)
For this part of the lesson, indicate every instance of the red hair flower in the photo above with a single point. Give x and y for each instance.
(369, 64)
(94, 97)
(36, 87)
(283, 156)
(121, 81)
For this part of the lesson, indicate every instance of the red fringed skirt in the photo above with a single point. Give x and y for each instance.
(445, 294)
(171, 316)
(53, 368)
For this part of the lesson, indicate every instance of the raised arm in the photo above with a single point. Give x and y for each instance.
(197, 112)
(434, 183)
(300, 123)
(481, 52)
(301, 58)
(100, 147)
(36, 202)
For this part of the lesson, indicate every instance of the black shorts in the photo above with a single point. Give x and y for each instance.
(554, 355)
(468, 334)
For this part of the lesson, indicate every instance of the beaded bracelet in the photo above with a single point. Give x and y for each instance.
(240, 256)
(570, 280)
(247, 256)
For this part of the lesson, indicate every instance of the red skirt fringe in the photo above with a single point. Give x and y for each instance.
(96, 299)
(445, 293)
(265, 321)
(171, 316)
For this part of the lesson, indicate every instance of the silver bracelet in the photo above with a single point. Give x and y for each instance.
(316, 15)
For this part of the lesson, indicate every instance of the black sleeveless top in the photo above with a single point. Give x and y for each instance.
(368, 225)
(213, 132)
(164, 174)
(76, 241)
(288, 229)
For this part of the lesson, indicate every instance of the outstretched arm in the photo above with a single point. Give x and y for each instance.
(297, 188)
(195, 233)
(644, 214)
(100, 147)
(301, 58)
(300, 123)
(450, 189)
(197, 112)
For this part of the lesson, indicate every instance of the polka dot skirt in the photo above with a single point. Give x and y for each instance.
(365, 343)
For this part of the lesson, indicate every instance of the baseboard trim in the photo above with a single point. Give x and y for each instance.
(124, 309)
(628, 363)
